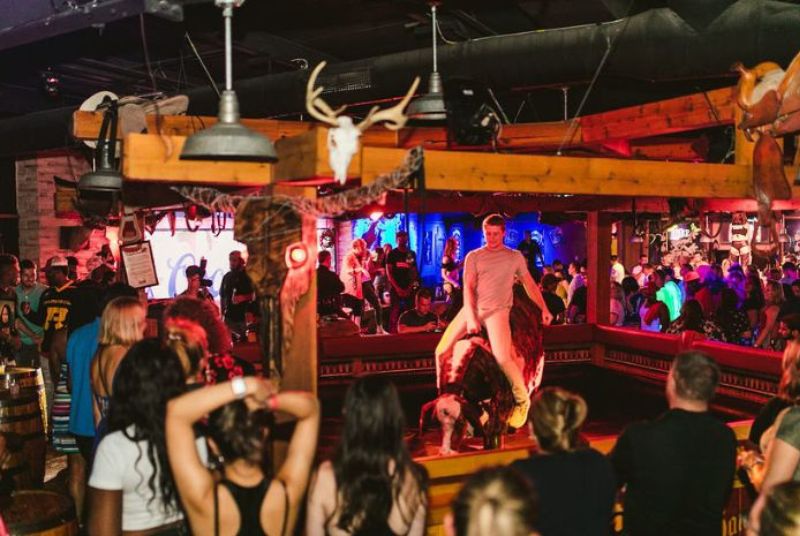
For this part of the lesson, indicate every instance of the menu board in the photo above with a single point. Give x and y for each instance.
(140, 268)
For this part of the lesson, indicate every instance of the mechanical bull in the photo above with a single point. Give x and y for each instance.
(475, 397)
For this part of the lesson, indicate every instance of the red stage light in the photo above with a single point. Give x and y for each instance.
(296, 255)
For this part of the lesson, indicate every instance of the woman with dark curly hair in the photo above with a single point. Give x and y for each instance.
(131, 486)
(245, 501)
(372, 486)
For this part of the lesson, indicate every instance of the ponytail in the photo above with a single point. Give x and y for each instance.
(557, 417)
(495, 501)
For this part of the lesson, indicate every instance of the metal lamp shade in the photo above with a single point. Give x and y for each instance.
(102, 180)
(229, 139)
(637, 239)
(431, 106)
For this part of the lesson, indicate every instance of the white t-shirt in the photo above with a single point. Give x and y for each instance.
(122, 464)
(495, 271)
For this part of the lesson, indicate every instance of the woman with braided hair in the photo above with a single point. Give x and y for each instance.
(575, 483)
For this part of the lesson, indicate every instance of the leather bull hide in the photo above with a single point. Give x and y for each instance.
(770, 100)
(474, 395)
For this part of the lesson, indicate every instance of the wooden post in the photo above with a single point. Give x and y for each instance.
(598, 252)
(300, 363)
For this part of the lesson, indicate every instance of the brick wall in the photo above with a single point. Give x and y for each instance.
(39, 227)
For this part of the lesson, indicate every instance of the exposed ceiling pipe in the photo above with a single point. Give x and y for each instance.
(655, 45)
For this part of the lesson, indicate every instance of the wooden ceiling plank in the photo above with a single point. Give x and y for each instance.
(691, 112)
(152, 158)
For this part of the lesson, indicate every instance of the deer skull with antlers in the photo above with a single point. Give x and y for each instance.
(343, 138)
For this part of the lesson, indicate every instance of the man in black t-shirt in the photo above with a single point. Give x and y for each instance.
(401, 271)
(236, 295)
(679, 468)
(420, 319)
(531, 251)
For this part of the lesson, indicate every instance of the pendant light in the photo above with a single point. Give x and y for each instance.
(99, 190)
(431, 106)
(228, 139)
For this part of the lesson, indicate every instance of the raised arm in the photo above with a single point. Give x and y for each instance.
(192, 479)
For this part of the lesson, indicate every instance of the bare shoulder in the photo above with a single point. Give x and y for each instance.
(325, 479)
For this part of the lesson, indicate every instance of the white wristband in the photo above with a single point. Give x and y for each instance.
(238, 387)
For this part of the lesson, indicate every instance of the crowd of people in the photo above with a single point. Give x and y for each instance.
(748, 307)
(168, 435)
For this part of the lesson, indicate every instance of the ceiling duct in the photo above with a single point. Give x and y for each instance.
(651, 46)
(27, 21)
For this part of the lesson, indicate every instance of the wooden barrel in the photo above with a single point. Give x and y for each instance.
(28, 379)
(41, 513)
(21, 415)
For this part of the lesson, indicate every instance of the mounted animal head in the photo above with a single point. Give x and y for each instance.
(343, 138)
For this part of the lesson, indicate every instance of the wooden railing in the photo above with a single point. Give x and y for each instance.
(749, 377)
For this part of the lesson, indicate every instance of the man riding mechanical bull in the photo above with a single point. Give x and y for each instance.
(502, 352)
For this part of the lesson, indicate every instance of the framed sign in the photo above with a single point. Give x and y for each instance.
(140, 269)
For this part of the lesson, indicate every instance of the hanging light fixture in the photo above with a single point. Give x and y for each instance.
(99, 190)
(430, 106)
(228, 139)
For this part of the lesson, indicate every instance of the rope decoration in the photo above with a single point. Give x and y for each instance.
(326, 207)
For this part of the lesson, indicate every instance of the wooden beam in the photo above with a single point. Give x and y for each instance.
(691, 112)
(86, 125)
(305, 157)
(154, 158)
(482, 172)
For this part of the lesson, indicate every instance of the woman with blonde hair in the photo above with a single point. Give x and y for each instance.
(497, 501)
(575, 483)
(122, 324)
(354, 275)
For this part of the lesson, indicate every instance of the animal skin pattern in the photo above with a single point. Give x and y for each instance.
(475, 397)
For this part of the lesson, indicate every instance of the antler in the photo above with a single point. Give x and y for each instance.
(317, 107)
(394, 117)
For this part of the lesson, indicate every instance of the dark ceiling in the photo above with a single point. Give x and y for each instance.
(274, 39)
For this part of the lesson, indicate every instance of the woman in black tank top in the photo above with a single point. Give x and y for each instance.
(244, 501)
(372, 487)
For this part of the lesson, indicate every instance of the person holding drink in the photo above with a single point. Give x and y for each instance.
(420, 319)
